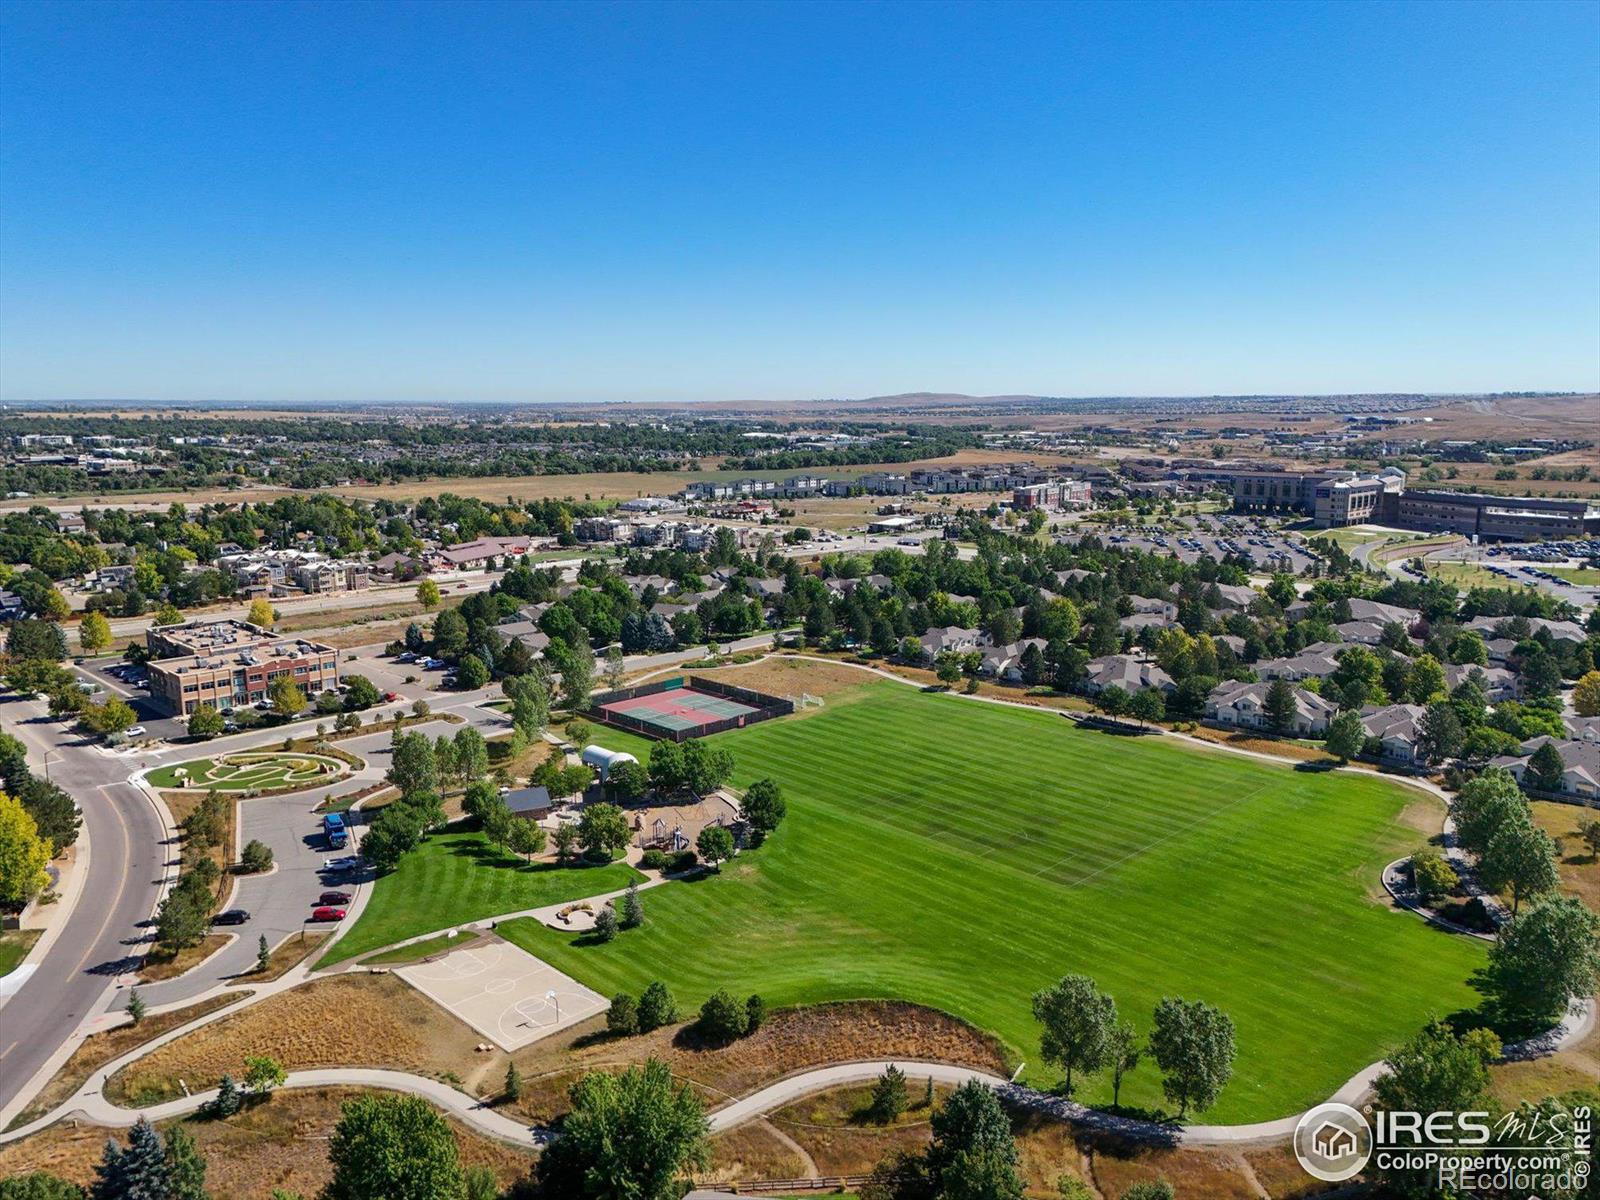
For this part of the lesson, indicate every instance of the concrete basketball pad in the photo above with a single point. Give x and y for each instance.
(504, 992)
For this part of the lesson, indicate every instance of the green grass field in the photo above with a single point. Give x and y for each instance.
(14, 947)
(964, 855)
(456, 877)
(249, 772)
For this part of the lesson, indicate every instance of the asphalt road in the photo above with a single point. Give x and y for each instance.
(128, 860)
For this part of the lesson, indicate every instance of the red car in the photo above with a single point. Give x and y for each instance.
(327, 913)
(391, 697)
(335, 898)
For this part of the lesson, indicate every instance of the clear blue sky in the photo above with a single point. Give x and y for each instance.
(748, 201)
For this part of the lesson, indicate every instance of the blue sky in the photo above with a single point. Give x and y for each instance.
(753, 201)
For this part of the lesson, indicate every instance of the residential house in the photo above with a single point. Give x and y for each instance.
(1245, 705)
(1581, 759)
(952, 639)
(1126, 672)
(1397, 727)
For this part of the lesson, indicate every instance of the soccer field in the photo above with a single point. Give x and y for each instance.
(963, 855)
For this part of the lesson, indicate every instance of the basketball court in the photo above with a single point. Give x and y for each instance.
(505, 993)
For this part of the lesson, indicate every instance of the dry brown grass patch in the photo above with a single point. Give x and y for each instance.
(100, 1048)
(280, 1144)
(349, 1020)
(1215, 1174)
(832, 1128)
(752, 1151)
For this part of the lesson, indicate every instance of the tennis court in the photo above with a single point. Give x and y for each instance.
(680, 709)
(504, 993)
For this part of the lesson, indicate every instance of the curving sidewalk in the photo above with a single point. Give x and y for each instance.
(91, 1104)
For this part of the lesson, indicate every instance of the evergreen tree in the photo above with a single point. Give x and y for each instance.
(513, 1091)
(632, 908)
(139, 1172)
(186, 1166)
(228, 1098)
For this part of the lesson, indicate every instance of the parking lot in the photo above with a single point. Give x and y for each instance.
(1267, 549)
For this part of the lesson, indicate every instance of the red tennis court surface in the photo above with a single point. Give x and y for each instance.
(680, 709)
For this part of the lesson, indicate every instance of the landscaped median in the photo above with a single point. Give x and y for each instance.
(252, 771)
(457, 877)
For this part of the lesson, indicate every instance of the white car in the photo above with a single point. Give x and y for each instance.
(137, 731)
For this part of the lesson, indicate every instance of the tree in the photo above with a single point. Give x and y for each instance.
(947, 667)
(656, 1007)
(23, 855)
(622, 1018)
(262, 1073)
(412, 765)
(525, 838)
(972, 1155)
(1586, 695)
(39, 1185)
(722, 1018)
(470, 754)
(715, 844)
(1544, 958)
(632, 915)
(1520, 858)
(228, 1099)
(205, 722)
(55, 814)
(263, 954)
(888, 1096)
(256, 856)
(1440, 736)
(449, 634)
(1113, 701)
(471, 673)
(1280, 706)
(603, 829)
(513, 1089)
(1545, 769)
(616, 667)
(109, 719)
(1484, 804)
(763, 808)
(706, 767)
(1077, 1018)
(428, 595)
(94, 632)
(1589, 831)
(136, 1173)
(577, 678)
(1149, 1189)
(261, 613)
(1147, 705)
(755, 1011)
(186, 1166)
(360, 693)
(1425, 680)
(389, 1147)
(605, 924)
(1192, 1042)
(135, 1007)
(631, 1135)
(288, 697)
(34, 639)
(1346, 735)
(1432, 876)
(1123, 1053)
(566, 840)
(628, 781)
(1436, 1071)
(666, 766)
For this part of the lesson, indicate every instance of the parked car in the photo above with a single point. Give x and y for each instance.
(347, 863)
(137, 731)
(327, 913)
(232, 916)
(391, 697)
(334, 898)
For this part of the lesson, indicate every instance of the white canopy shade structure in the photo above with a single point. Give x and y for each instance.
(603, 760)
